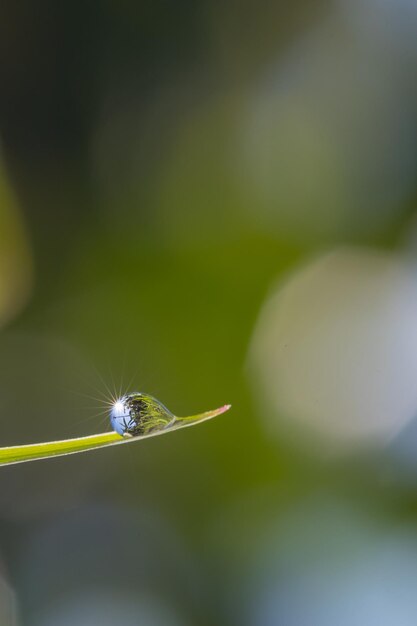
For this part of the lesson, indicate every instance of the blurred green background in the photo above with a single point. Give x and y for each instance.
(211, 202)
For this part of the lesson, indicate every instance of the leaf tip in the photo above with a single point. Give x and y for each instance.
(223, 409)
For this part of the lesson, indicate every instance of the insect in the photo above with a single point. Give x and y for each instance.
(139, 414)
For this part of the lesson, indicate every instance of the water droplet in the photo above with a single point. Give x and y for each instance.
(139, 414)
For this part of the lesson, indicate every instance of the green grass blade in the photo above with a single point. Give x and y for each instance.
(33, 452)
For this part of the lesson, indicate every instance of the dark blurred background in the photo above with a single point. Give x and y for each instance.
(211, 202)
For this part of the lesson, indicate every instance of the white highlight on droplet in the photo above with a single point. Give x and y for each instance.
(119, 408)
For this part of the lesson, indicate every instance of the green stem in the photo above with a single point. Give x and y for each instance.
(33, 452)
